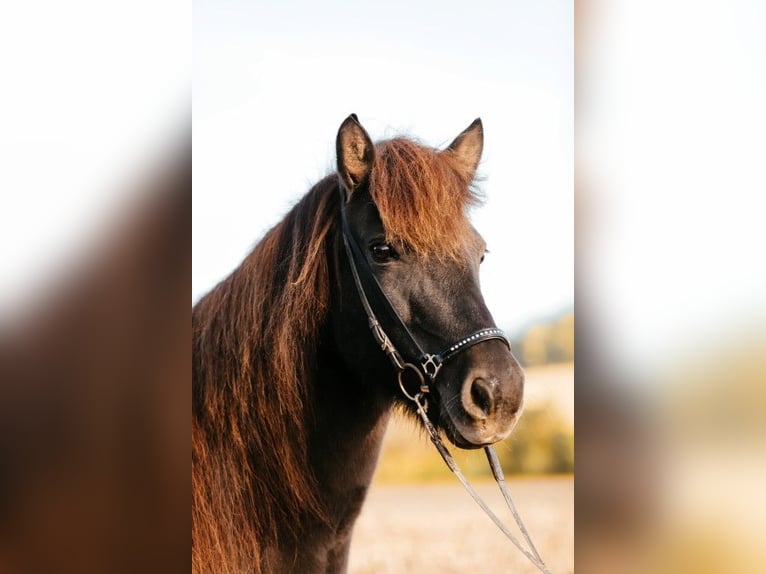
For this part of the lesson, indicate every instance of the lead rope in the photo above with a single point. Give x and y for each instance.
(497, 472)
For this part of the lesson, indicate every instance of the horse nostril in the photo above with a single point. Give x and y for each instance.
(482, 395)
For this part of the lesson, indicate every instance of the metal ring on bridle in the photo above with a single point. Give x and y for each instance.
(423, 386)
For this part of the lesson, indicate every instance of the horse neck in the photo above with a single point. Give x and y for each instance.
(349, 421)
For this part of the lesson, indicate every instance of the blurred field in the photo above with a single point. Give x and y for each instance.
(439, 528)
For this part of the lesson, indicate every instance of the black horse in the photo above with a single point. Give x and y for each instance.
(291, 391)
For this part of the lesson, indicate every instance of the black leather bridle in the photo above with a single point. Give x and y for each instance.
(425, 365)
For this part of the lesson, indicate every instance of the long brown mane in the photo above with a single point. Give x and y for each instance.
(254, 341)
(418, 190)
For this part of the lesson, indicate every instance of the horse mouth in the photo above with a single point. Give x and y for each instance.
(476, 434)
(458, 439)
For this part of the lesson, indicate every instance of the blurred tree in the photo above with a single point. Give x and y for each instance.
(547, 342)
(562, 340)
(540, 444)
(534, 345)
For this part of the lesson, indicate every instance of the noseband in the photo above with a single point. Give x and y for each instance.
(424, 365)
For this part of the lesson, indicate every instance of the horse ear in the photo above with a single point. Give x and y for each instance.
(355, 153)
(467, 147)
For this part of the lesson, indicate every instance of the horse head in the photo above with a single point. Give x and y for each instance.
(417, 258)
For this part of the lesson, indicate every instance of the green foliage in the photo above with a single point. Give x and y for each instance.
(544, 343)
(541, 444)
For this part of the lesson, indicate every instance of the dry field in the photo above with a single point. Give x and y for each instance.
(438, 528)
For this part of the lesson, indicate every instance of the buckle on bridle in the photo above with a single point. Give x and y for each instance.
(431, 365)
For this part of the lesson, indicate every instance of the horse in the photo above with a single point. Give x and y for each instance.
(291, 394)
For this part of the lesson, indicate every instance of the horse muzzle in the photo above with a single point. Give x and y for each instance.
(488, 403)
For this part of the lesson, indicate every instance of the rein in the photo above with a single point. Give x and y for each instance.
(425, 366)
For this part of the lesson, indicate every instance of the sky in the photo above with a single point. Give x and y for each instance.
(671, 179)
(670, 141)
(272, 82)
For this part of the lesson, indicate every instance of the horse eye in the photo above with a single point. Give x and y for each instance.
(382, 252)
(483, 255)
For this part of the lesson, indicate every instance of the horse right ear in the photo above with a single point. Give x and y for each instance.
(468, 146)
(355, 153)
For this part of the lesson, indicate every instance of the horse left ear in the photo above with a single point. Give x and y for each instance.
(467, 147)
(355, 153)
